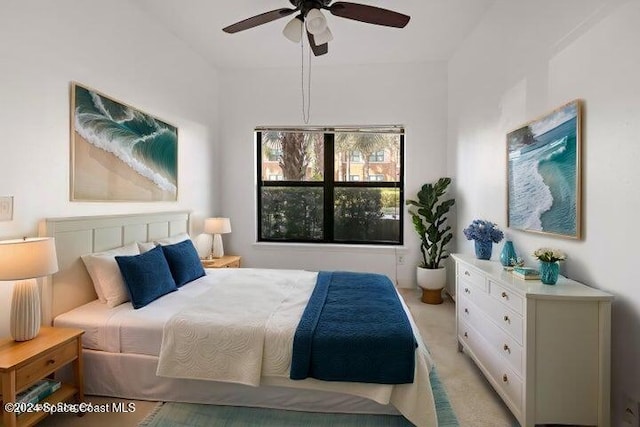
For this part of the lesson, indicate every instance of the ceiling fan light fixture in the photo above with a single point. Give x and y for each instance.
(293, 30)
(324, 37)
(316, 22)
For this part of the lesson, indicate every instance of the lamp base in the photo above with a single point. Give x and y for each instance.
(25, 310)
(217, 250)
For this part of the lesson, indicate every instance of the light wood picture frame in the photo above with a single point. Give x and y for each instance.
(119, 153)
(544, 173)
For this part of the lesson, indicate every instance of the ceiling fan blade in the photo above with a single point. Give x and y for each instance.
(323, 49)
(369, 14)
(254, 21)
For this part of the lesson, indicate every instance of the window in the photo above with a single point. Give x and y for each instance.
(355, 157)
(333, 186)
(378, 156)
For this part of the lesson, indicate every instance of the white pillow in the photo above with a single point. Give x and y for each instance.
(106, 276)
(173, 239)
(145, 246)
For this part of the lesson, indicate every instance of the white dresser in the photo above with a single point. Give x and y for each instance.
(545, 349)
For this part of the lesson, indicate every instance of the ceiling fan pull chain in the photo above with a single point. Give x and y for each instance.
(306, 106)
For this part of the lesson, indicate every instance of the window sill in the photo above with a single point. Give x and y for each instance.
(328, 247)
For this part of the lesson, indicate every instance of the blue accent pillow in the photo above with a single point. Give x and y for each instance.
(147, 276)
(183, 261)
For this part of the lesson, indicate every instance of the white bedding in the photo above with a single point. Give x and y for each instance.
(125, 330)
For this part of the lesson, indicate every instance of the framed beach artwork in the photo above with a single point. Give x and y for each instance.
(119, 153)
(544, 173)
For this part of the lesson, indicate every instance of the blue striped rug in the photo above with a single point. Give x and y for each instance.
(172, 414)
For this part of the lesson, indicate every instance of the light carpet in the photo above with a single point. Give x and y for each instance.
(173, 414)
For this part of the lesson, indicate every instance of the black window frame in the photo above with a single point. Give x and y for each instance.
(329, 184)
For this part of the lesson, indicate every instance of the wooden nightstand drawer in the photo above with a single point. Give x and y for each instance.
(46, 364)
(227, 261)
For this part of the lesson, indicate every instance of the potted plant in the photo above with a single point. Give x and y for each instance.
(484, 234)
(429, 218)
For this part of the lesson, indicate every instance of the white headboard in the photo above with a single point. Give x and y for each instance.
(71, 286)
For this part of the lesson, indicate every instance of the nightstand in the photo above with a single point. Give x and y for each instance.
(24, 363)
(227, 261)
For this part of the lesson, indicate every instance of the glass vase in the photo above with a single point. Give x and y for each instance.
(483, 249)
(508, 254)
(549, 272)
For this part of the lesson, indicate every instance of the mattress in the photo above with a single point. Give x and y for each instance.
(123, 329)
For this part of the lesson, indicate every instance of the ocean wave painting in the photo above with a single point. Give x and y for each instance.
(120, 153)
(544, 173)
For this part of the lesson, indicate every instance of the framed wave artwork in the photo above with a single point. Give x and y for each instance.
(119, 153)
(544, 173)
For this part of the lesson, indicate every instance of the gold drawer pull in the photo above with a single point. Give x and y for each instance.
(506, 319)
(506, 348)
(466, 310)
(466, 273)
(505, 379)
(504, 295)
(467, 290)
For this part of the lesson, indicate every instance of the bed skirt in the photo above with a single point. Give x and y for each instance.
(133, 376)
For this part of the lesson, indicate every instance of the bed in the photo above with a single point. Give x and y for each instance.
(123, 346)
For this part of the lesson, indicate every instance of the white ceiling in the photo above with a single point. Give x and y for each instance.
(436, 28)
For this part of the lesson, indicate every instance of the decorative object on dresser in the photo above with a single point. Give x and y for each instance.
(23, 364)
(549, 267)
(484, 234)
(429, 218)
(24, 260)
(526, 273)
(508, 256)
(225, 261)
(216, 227)
(545, 350)
(544, 173)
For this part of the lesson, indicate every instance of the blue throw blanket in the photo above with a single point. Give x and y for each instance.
(354, 328)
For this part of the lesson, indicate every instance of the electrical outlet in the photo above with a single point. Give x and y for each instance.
(400, 259)
(631, 417)
(6, 208)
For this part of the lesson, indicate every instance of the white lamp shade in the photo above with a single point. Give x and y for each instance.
(316, 22)
(217, 225)
(293, 30)
(24, 260)
(27, 258)
(323, 37)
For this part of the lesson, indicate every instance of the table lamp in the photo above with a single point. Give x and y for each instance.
(216, 227)
(24, 260)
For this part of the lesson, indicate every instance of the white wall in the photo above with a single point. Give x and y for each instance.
(413, 95)
(525, 59)
(111, 47)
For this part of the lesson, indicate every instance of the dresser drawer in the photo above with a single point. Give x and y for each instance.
(45, 364)
(510, 384)
(507, 319)
(506, 297)
(501, 343)
(505, 380)
(470, 276)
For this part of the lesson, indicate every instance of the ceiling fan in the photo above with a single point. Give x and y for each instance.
(316, 24)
